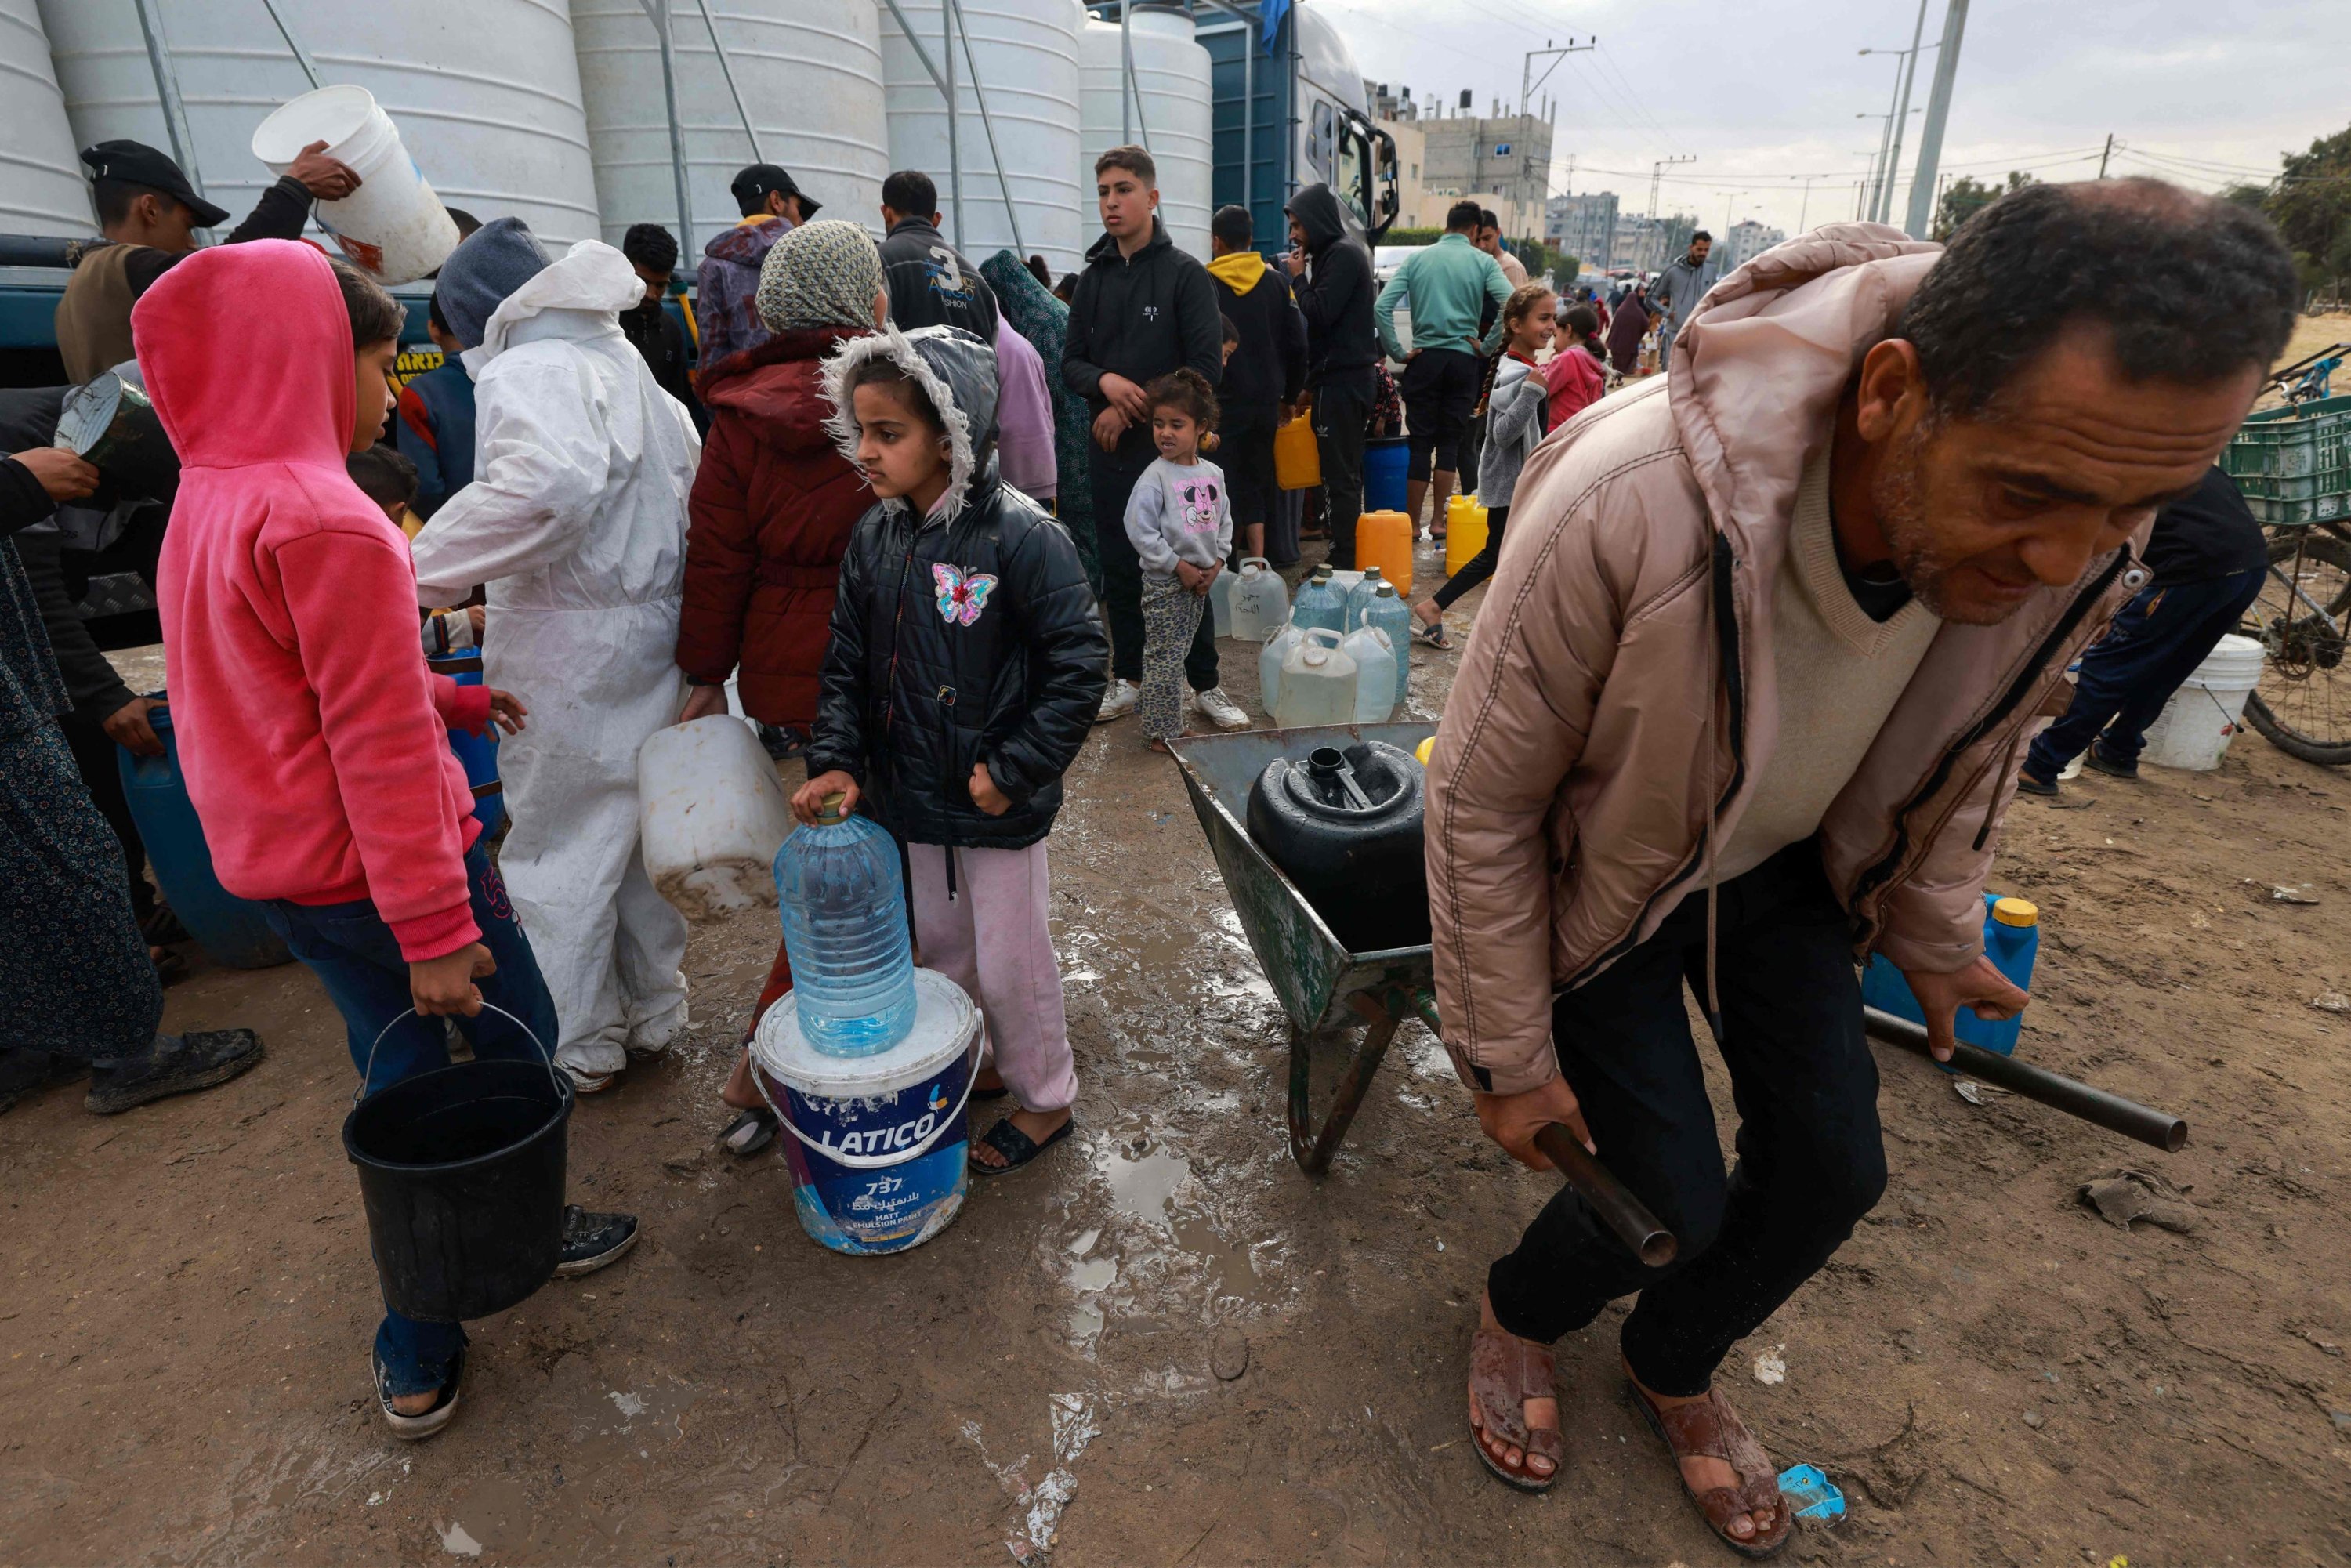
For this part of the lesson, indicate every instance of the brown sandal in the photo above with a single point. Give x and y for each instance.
(1712, 1430)
(1505, 1372)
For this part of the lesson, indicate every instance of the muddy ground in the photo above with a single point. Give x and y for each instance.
(1165, 1346)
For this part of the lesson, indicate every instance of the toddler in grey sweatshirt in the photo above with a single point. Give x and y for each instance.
(1179, 511)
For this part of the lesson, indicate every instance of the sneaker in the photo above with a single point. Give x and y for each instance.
(1220, 709)
(590, 1240)
(1119, 701)
(782, 743)
(2097, 759)
(587, 1082)
(175, 1064)
(415, 1429)
(2026, 784)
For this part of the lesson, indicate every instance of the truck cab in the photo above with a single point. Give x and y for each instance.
(1295, 116)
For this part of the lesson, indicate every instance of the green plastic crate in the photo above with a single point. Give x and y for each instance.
(2293, 465)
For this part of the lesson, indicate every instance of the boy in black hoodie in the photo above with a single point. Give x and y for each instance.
(1143, 309)
(1336, 296)
(1265, 375)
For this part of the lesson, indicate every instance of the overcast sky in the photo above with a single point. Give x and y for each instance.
(1771, 87)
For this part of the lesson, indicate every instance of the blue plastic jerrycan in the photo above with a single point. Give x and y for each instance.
(477, 753)
(230, 929)
(2011, 941)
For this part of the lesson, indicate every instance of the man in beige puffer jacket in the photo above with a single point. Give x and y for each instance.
(1746, 703)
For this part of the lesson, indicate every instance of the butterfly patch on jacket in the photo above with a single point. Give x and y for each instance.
(961, 597)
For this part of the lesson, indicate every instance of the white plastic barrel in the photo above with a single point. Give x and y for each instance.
(711, 815)
(393, 227)
(2194, 727)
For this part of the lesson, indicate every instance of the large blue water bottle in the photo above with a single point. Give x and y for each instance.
(845, 912)
(1319, 604)
(1358, 598)
(1395, 617)
(2011, 941)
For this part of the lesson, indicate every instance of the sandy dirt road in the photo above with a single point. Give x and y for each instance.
(1165, 1346)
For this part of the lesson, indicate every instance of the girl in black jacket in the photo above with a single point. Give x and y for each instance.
(966, 666)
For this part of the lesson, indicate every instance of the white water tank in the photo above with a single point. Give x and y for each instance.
(486, 92)
(1024, 60)
(41, 188)
(811, 75)
(1168, 110)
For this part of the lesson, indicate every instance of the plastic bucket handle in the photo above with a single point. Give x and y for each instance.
(368, 1071)
(873, 1162)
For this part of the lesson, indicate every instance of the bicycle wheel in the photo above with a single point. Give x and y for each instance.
(2303, 618)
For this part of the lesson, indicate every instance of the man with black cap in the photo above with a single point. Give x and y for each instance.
(652, 251)
(149, 213)
(727, 285)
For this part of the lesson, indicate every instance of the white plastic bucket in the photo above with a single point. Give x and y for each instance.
(393, 227)
(710, 815)
(2194, 727)
(876, 1145)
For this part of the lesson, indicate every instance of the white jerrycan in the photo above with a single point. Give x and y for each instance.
(1318, 682)
(710, 814)
(1375, 657)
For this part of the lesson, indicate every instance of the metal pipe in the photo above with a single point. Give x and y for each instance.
(955, 151)
(301, 54)
(2157, 1129)
(1923, 185)
(922, 55)
(987, 123)
(658, 13)
(1902, 113)
(167, 88)
(1607, 1198)
(1125, 73)
(751, 132)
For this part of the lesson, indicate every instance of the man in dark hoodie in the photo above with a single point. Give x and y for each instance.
(931, 284)
(1333, 277)
(652, 251)
(1142, 309)
(1265, 376)
(727, 283)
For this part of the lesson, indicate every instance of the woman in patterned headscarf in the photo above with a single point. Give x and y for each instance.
(771, 512)
(1030, 309)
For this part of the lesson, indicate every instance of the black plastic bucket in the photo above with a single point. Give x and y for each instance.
(461, 1170)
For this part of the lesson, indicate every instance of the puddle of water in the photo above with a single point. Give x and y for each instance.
(456, 1542)
(1084, 1243)
(1427, 1055)
(1141, 1186)
(603, 1424)
(1094, 1274)
(1145, 1187)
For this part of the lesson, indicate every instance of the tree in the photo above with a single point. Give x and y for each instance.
(1966, 197)
(2311, 205)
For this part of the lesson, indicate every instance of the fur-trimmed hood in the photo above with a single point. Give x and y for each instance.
(958, 372)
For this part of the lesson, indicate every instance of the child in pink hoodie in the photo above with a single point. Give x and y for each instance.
(305, 718)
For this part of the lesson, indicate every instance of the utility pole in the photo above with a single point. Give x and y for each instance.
(2107, 154)
(1807, 208)
(1656, 172)
(1529, 81)
(1901, 114)
(1923, 185)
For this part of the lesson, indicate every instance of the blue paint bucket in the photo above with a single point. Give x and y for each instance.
(876, 1145)
(1385, 461)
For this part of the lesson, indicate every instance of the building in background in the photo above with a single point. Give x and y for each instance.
(1746, 239)
(1501, 162)
(1645, 244)
(1582, 227)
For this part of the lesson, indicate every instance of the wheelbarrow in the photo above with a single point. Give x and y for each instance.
(1324, 989)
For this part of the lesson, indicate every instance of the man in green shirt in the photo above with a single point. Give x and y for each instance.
(1448, 283)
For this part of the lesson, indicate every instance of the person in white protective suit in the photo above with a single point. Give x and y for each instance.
(576, 522)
